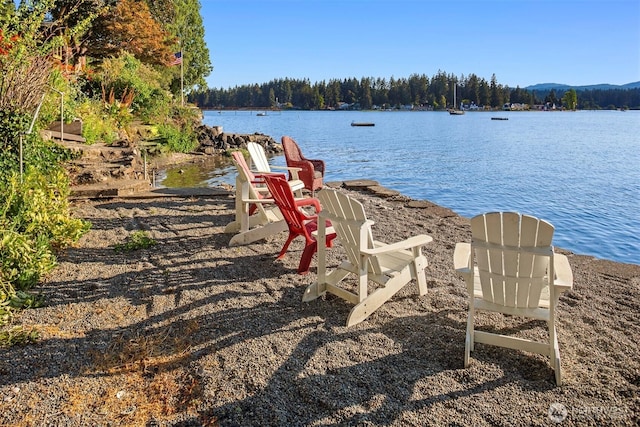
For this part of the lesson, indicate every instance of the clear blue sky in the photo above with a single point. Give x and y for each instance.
(524, 42)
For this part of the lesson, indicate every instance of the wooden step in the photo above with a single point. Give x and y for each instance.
(52, 134)
(110, 164)
(113, 188)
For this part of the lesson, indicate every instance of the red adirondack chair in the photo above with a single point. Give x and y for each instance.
(311, 170)
(299, 222)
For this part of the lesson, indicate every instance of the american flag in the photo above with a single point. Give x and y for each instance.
(177, 59)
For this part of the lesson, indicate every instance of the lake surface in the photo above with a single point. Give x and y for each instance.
(578, 170)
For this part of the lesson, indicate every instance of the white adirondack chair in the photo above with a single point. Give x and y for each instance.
(510, 267)
(261, 165)
(390, 267)
(252, 223)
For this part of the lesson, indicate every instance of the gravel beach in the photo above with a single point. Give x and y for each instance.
(192, 332)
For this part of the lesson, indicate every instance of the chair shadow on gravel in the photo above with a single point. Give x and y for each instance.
(177, 275)
(167, 266)
(328, 371)
(375, 391)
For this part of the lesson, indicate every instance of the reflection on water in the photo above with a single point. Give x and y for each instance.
(209, 171)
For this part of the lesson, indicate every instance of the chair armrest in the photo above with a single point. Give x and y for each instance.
(306, 173)
(300, 164)
(310, 201)
(292, 170)
(462, 258)
(286, 168)
(411, 242)
(564, 275)
(318, 165)
(263, 201)
(262, 174)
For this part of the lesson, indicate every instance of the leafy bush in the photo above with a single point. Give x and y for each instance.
(35, 221)
(34, 216)
(12, 124)
(34, 212)
(96, 125)
(43, 155)
(129, 82)
(186, 116)
(156, 108)
(24, 258)
(178, 134)
(176, 139)
(12, 128)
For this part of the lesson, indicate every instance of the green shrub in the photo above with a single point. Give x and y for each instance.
(24, 259)
(129, 82)
(34, 212)
(186, 116)
(43, 155)
(12, 125)
(177, 140)
(35, 221)
(96, 125)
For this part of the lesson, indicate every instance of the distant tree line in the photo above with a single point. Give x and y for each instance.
(417, 91)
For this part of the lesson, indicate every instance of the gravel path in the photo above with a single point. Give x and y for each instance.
(193, 332)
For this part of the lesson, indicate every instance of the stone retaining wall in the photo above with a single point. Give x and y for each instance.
(214, 141)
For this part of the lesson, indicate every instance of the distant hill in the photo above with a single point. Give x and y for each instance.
(564, 87)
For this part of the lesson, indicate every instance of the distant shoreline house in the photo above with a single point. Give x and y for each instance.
(548, 106)
(471, 107)
(516, 106)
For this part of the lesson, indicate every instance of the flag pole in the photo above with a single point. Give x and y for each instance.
(181, 75)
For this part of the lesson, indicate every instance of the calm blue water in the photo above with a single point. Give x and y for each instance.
(578, 170)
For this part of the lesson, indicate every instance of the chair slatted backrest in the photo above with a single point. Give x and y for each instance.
(351, 225)
(283, 196)
(258, 157)
(243, 167)
(514, 256)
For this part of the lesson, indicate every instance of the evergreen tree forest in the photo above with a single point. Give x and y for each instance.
(415, 92)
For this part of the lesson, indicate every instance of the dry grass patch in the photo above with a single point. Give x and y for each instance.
(146, 379)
